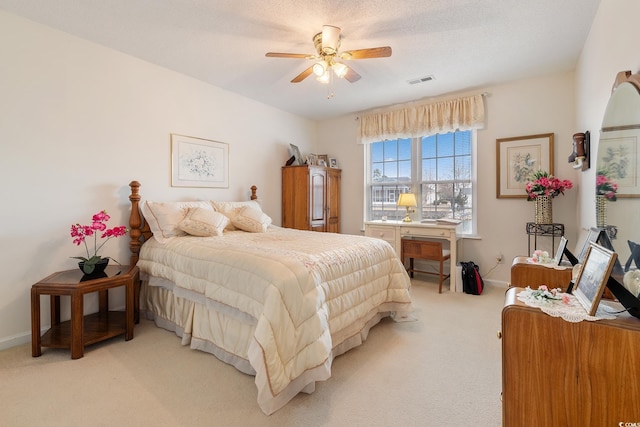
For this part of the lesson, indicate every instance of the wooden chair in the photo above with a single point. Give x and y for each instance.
(425, 249)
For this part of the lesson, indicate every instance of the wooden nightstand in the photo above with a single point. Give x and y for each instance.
(80, 330)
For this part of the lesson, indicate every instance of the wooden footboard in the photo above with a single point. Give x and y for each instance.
(139, 230)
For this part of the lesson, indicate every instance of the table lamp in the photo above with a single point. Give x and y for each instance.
(407, 200)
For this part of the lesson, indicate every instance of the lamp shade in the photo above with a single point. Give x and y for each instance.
(319, 68)
(330, 39)
(339, 68)
(407, 199)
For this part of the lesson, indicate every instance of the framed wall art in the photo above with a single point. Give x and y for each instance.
(518, 158)
(593, 277)
(619, 158)
(197, 162)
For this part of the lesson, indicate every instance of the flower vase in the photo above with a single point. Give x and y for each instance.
(601, 211)
(544, 211)
(99, 267)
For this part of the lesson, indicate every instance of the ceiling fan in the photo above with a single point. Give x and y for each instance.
(329, 58)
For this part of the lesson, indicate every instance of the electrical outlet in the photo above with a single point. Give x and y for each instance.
(499, 258)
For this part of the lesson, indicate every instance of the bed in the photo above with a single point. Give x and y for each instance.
(276, 303)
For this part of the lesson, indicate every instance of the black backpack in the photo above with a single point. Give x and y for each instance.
(472, 282)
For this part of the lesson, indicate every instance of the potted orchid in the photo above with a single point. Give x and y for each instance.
(605, 186)
(93, 263)
(545, 184)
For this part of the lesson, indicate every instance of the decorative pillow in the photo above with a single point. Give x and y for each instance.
(231, 209)
(164, 217)
(250, 219)
(203, 222)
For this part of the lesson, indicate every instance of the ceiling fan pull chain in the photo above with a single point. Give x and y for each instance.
(330, 86)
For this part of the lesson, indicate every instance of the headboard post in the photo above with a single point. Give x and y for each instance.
(135, 223)
(253, 192)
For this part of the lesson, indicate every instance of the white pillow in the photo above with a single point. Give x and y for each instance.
(203, 222)
(250, 219)
(164, 217)
(231, 209)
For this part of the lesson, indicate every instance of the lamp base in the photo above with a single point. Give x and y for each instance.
(407, 219)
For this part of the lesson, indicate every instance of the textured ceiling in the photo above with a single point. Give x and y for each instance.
(464, 44)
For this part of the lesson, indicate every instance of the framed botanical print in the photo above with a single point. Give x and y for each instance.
(197, 162)
(517, 159)
(618, 159)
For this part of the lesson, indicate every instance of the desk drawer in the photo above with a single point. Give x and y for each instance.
(384, 233)
(426, 232)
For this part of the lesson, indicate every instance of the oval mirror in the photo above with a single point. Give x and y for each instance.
(619, 158)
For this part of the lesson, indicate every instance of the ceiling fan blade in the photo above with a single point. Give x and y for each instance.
(288, 55)
(351, 75)
(303, 75)
(374, 52)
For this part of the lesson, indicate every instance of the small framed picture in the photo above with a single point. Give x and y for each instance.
(560, 252)
(333, 162)
(322, 163)
(313, 159)
(593, 277)
(295, 152)
(324, 158)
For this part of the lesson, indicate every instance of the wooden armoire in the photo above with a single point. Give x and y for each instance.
(311, 198)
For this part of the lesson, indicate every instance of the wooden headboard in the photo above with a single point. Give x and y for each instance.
(139, 230)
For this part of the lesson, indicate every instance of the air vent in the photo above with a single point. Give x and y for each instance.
(421, 80)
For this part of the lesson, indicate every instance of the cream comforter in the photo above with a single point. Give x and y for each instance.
(311, 296)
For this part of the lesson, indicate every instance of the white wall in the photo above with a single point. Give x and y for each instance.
(78, 122)
(525, 107)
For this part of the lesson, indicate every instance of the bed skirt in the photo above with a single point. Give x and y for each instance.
(202, 325)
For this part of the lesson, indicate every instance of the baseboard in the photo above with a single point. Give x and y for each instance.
(496, 283)
(14, 341)
(25, 338)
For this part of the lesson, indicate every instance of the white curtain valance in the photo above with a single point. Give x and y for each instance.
(423, 120)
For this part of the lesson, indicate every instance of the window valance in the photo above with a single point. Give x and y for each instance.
(423, 120)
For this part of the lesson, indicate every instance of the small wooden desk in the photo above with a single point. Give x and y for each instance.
(394, 231)
(81, 330)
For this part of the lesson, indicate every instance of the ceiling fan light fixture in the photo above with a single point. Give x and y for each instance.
(319, 68)
(324, 78)
(340, 69)
(330, 39)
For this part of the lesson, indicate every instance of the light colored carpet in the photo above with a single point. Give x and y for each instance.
(444, 369)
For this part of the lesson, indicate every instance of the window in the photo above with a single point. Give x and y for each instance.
(438, 169)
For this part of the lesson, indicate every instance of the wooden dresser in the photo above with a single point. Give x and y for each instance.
(311, 198)
(524, 273)
(558, 373)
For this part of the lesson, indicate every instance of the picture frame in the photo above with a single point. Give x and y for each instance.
(313, 159)
(321, 162)
(198, 162)
(593, 277)
(324, 158)
(619, 158)
(295, 152)
(517, 158)
(562, 246)
(333, 162)
(592, 237)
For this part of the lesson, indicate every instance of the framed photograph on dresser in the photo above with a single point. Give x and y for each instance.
(593, 277)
